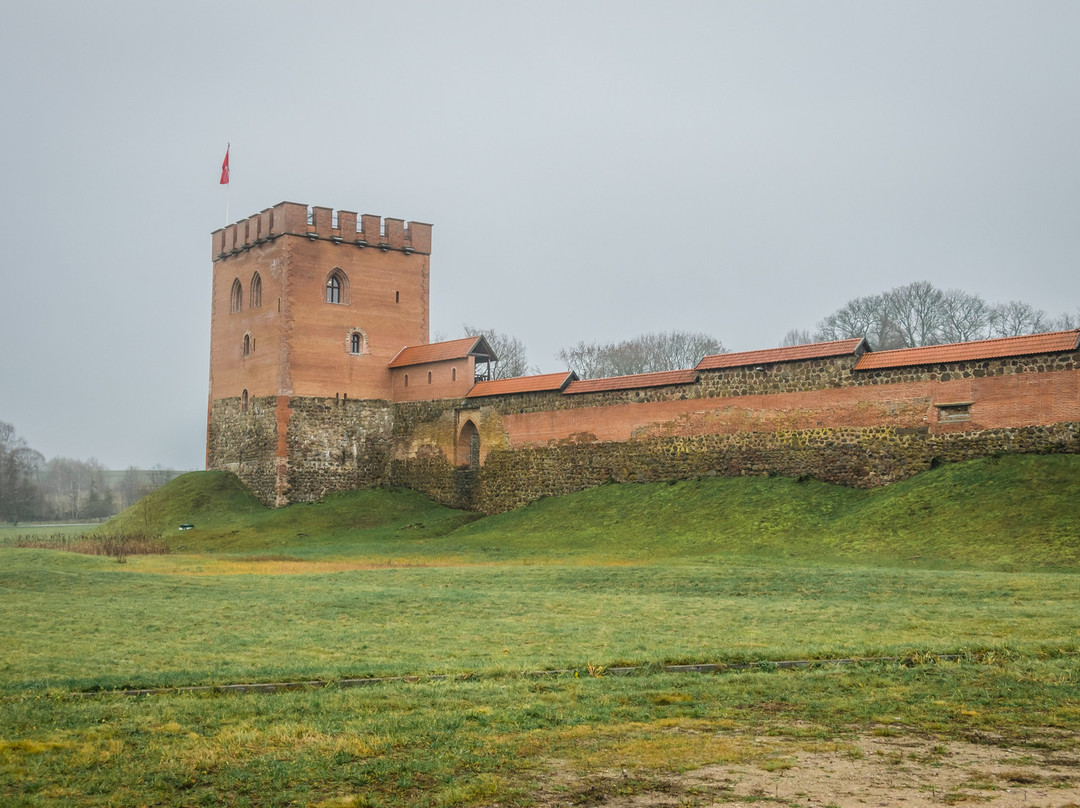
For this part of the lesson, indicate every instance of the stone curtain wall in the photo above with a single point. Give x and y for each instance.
(856, 457)
(819, 418)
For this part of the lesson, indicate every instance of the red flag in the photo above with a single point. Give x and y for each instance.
(225, 169)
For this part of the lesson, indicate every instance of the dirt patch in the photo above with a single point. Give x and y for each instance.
(853, 773)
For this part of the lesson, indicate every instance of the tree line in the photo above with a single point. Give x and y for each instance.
(919, 313)
(908, 316)
(35, 489)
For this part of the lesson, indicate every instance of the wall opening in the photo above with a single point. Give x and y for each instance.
(954, 411)
(467, 451)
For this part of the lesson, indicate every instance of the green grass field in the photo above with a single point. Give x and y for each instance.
(980, 560)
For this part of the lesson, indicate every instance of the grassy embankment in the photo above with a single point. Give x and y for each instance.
(979, 559)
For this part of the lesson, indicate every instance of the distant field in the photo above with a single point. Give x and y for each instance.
(9, 533)
(978, 560)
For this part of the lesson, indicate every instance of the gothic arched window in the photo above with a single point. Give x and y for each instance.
(337, 287)
(236, 299)
(255, 296)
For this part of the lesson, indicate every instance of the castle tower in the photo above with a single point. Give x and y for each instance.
(308, 310)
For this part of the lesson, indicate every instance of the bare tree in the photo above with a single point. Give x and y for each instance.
(796, 336)
(68, 483)
(964, 317)
(866, 317)
(920, 314)
(1015, 318)
(510, 350)
(915, 311)
(670, 350)
(129, 487)
(1066, 321)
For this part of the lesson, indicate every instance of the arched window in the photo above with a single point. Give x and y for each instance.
(244, 401)
(255, 296)
(337, 287)
(429, 377)
(247, 344)
(406, 379)
(356, 342)
(453, 374)
(236, 300)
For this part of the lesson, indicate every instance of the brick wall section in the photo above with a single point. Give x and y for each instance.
(817, 418)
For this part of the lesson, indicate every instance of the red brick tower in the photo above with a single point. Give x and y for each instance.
(308, 310)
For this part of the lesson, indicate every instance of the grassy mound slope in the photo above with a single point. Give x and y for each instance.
(1005, 513)
(1019, 512)
(229, 519)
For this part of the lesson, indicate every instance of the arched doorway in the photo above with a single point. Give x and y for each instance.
(467, 452)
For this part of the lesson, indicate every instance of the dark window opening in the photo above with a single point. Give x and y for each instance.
(355, 344)
(255, 297)
(244, 401)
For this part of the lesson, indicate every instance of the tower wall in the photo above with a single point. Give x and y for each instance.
(314, 360)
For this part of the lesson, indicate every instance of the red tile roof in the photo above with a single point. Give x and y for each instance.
(440, 351)
(816, 350)
(631, 382)
(522, 384)
(1027, 345)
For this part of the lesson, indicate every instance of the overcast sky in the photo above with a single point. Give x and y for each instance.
(594, 170)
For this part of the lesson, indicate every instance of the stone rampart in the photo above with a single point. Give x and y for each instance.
(818, 418)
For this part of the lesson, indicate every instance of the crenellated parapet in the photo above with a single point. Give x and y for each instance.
(320, 224)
